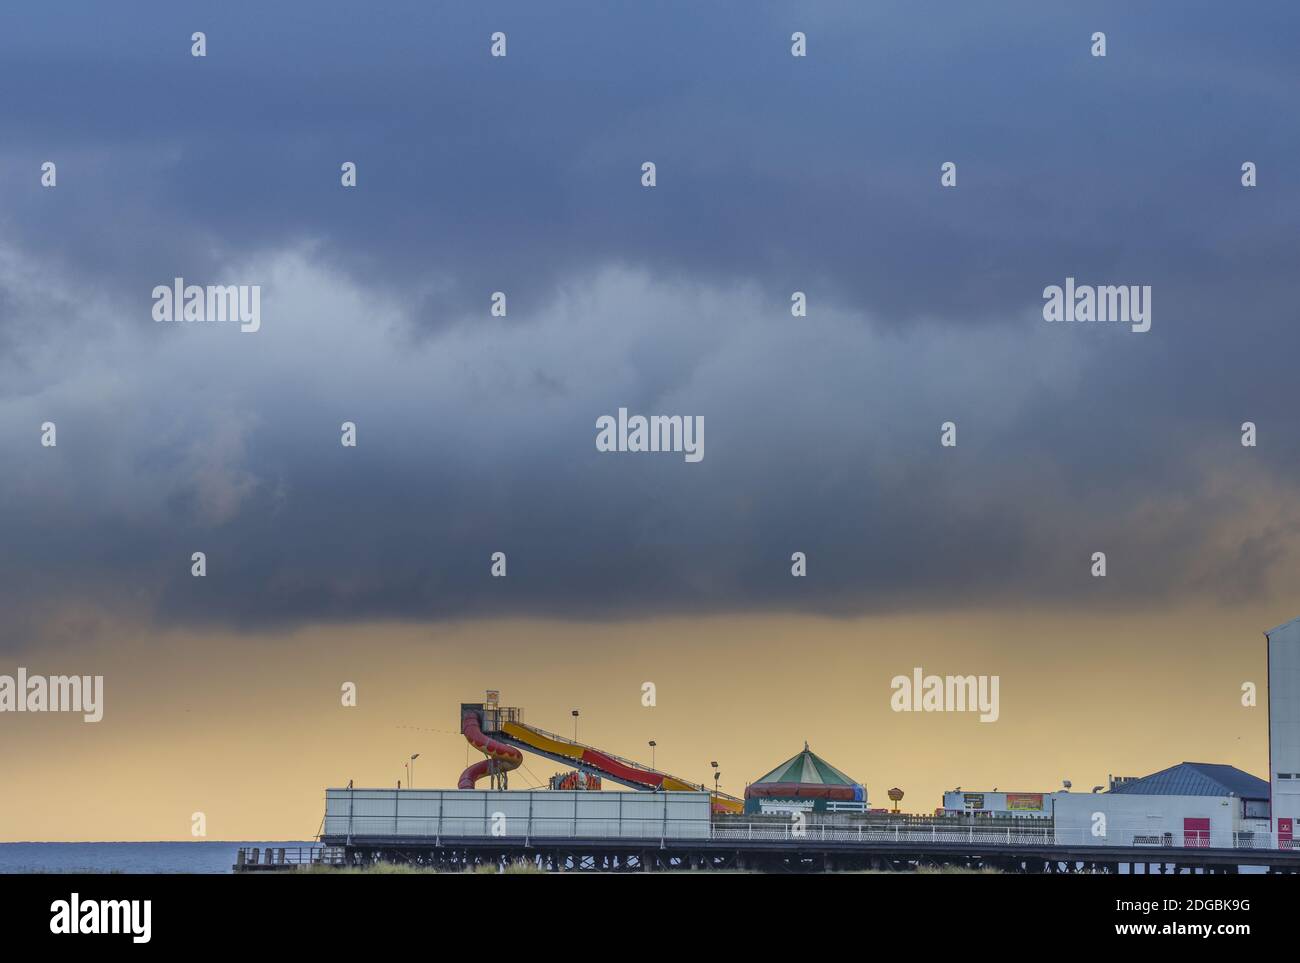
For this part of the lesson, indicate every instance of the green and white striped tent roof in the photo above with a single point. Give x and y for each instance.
(809, 769)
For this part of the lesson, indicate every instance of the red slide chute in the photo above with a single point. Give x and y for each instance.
(605, 764)
(499, 755)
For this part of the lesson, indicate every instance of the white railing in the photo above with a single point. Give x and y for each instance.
(727, 830)
(986, 836)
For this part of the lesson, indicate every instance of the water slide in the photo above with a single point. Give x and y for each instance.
(499, 755)
(513, 735)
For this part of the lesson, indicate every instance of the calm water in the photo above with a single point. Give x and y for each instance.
(184, 857)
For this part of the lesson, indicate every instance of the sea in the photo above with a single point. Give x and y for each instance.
(199, 856)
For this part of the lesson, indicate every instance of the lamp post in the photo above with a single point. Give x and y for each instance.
(410, 775)
(717, 774)
(652, 753)
(575, 724)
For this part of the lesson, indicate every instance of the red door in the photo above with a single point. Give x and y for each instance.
(1196, 832)
(1284, 840)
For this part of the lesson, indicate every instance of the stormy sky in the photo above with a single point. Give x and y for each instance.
(476, 434)
(775, 174)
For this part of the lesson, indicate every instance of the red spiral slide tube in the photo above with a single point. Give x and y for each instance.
(499, 754)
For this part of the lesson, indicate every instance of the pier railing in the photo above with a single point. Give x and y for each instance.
(974, 835)
(275, 857)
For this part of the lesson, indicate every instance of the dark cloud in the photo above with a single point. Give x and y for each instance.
(521, 175)
(523, 171)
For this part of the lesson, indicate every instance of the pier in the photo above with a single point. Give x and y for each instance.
(764, 847)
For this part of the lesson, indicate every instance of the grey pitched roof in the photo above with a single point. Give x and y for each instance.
(1197, 779)
(1277, 628)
